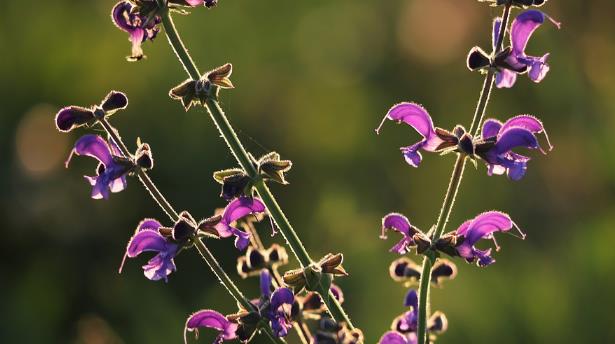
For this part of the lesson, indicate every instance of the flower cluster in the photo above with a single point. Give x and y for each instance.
(495, 143)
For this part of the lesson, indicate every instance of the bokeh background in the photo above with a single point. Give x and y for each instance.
(313, 79)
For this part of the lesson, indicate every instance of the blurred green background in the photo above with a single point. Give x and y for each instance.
(313, 79)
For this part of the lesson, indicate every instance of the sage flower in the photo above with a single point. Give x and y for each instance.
(418, 118)
(279, 307)
(400, 224)
(148, 238)
(404, 327)
(208, 318)
(112, 168)
(483, 226)
(498, 140)
(235, 210)
(139, 26)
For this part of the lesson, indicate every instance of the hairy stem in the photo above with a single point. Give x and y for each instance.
(242, 157)
(173, 215)
(453, 187)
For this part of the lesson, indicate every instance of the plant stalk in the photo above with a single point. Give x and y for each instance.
(242, 157)
(453, 187)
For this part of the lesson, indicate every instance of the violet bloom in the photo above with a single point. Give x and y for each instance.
(418, 118)
(404, 327)
(513, 60)
(149, 239)
(112, 168)
(211, 319)
(279, 307)
(139, 26)
(401, 224)
(235, 210)
(483, 226)
(499, 139)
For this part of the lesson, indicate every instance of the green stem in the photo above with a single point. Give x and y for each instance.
(242, 157)
(453, 187)
(205, 253)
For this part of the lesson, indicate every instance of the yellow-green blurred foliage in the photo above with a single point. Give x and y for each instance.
(313, 79)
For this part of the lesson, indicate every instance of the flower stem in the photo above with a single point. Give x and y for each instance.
(242, 157)
(173, 215)
(453, 187)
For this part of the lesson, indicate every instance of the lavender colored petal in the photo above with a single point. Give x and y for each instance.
(515, 137)
(522, 29)
(281, 297)
(393, 337)
(146, 240)
(118, 184)
(337, 293)
(497, 23)
(161, 265)
(491, 127)
(211, 319)
(505, 78)
(241, 207)
(538, 68)
(242, 239)
(136, 37)
(412, 299)
(150, 224)
(463, 228)
(397, 222)
(94, 146)
(485, 224)
(412, 155)
(265, 283)
(119, 15)
(415, 116)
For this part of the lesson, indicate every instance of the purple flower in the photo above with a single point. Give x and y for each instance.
(418, 118)
(139, 26)
(404, 327)
(72, 117)
(214, 320)
(278, 309)
(401, 224)
(482, 226)
(195, 3)
(499, 139)
(235, 210)
(149, 238)
(112, 168)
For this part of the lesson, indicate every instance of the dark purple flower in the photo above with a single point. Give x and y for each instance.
(499, 139)
(72, 117)
(280, 305)
(235, 210)
(418, 118)
(483, 226)
(211, 319)
(404, 327)
(401, 224)
(139, 26)
(516, 61)
(112, 168)
(148, 238)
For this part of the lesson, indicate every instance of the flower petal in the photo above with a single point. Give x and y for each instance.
(505, 78)
(491, 127)
(241, 207)
(412, 299)
(146, 240)
(393, 337)
(485, 224)
(282, 296)
(515, 137)
(211, 319)
(539, 68)
(412, 155)
(522, 29)
(265, 283)
(94, 146)
(119, 15)
(497, 23)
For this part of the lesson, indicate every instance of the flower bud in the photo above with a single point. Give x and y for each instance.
(143, 156)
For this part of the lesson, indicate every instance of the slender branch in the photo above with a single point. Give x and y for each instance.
(453, 187)
(242, 157)
(173, 215)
